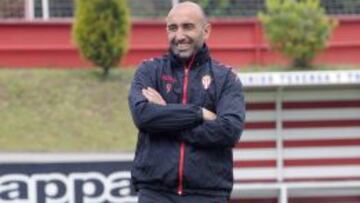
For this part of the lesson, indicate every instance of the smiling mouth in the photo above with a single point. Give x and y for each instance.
(183, 46)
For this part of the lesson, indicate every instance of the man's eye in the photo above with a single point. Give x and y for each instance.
(172, 28)
(188, 26)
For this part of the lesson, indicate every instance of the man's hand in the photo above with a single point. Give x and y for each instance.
(208, 115)
(153, 96)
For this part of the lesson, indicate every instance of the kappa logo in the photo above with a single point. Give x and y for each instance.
(60, 188)
(168, 78)
(206, 81)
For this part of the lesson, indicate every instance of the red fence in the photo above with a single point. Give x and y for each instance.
(236, 42)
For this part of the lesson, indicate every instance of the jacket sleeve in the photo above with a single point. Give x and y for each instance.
(226, 130)
(150, 117)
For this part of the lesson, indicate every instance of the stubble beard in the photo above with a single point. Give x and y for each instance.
(186, 54)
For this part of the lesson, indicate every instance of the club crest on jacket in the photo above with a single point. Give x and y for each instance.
(168, 87)
(206, 81)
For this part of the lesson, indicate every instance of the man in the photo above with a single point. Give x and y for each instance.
(190, 112)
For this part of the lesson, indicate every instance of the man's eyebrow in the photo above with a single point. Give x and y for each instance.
(180, 24)
(186, 23)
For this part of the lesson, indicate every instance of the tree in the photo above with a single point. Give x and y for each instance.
(101, 30)
(299, 29)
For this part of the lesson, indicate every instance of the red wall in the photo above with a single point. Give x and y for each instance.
(236, 42)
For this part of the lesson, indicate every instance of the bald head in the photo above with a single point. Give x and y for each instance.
(187, 29)
(189, 8)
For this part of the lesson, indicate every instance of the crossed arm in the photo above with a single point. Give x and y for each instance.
(154, 97)
(196, 125)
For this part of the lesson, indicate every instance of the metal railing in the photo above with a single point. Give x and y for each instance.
(152, 9)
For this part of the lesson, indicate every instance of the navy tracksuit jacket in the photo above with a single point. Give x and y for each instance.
(177, 151)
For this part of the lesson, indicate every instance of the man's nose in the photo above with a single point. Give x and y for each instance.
(179, 35)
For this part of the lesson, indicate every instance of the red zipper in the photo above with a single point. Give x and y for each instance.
(182, 144)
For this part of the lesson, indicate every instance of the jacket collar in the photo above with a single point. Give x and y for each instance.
(201, 57)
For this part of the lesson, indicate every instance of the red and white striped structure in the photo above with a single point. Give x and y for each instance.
(302, 138)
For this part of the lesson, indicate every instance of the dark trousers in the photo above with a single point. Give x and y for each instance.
(150, 196)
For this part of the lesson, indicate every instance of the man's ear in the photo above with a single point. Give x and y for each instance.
(207, 30)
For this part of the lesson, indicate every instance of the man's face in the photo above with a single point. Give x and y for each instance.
(187, 32)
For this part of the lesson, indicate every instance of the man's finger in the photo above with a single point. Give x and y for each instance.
(153, 96)
(153, 91)
(150, 94)
(156, 93)
(146, 94)
(208, 115)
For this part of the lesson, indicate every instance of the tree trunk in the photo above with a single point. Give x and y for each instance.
(106, 71)
(301, 63)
